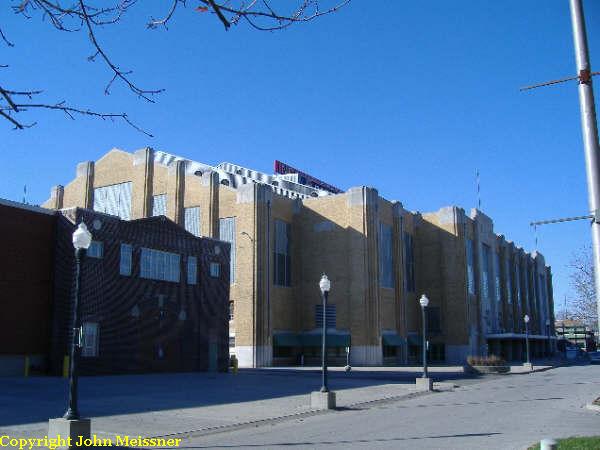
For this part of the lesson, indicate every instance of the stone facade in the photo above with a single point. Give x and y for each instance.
(379, 257)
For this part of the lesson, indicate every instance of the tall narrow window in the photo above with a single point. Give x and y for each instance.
(281, 255)
(159, 205)
(509, 294)
(409, 263)
(517, 279)
(126, 257)
(470, 267)
(89, 339)
(192, 220)
(485, 272)
(497, 287)
(215, 269)
(114, 199)
(95, 250)
(159, 265)
(192, 270)
(227, 234)
(386, 272)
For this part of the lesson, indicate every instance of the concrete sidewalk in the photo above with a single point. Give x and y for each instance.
(202, 403)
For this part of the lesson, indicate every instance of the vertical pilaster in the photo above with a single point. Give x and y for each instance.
(176, 191)
(255, 348)
(85, 172)
(56, 197)
(363, 208)
(398, 268)
(211, 179)
(143, 176)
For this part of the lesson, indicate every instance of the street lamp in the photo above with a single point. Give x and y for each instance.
(82, 239)
(526, 320)
(424, 301)
(325, 286)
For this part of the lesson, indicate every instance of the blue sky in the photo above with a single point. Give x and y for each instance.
(408, 97)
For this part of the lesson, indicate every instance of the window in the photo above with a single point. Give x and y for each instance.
(192, 220)
(497, 288)
(231, 310)
(518, 287)
(89, 339)
(227, 234)
(96, 250)
(508, 279)
(159, 265)
(409, 262)
(231, 341)
(485, 272)
(386, 272)
(159, 205)
(282, 264)
(215, 269)
(330, 317)
(192, 270)
(434, 322)
(114, 199)
(470, 268)
(126, 257)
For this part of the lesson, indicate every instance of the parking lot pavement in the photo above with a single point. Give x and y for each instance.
(162, 404)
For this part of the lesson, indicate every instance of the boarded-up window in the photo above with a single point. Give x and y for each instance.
(95, 250)
(282, 264)
(126, 259)
(227, 234)
(89, 339)
(114, 199)
(192, 220)
(470, 267)
(192, 270)
(159, 205)
(159, 265)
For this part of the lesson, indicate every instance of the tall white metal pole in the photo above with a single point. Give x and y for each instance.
(590, 133)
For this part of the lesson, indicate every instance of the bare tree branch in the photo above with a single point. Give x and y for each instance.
(583, 305)
(89, 15)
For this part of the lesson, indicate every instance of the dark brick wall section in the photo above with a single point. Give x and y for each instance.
(136, 316)
(27, 252)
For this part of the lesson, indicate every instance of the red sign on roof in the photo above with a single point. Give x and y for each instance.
(304, 178)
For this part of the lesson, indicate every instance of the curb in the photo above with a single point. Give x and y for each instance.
(272, 420)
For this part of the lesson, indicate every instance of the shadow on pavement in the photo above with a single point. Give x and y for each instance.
(35, 399)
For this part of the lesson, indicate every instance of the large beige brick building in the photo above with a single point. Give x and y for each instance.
(287, 229)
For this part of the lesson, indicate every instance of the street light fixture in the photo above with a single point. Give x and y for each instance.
(325, 286)
(526, 320)
(82, 240)
(424, 301)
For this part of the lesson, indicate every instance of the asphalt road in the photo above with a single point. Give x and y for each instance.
(507, 412)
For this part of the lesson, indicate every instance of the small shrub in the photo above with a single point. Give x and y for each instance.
(491, 360)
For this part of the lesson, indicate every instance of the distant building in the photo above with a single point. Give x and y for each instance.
(576, 333)
(288, 228)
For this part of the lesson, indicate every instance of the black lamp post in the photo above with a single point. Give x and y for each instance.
(424, 301)
(325, 286)
(526, 320)
(82, 239)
